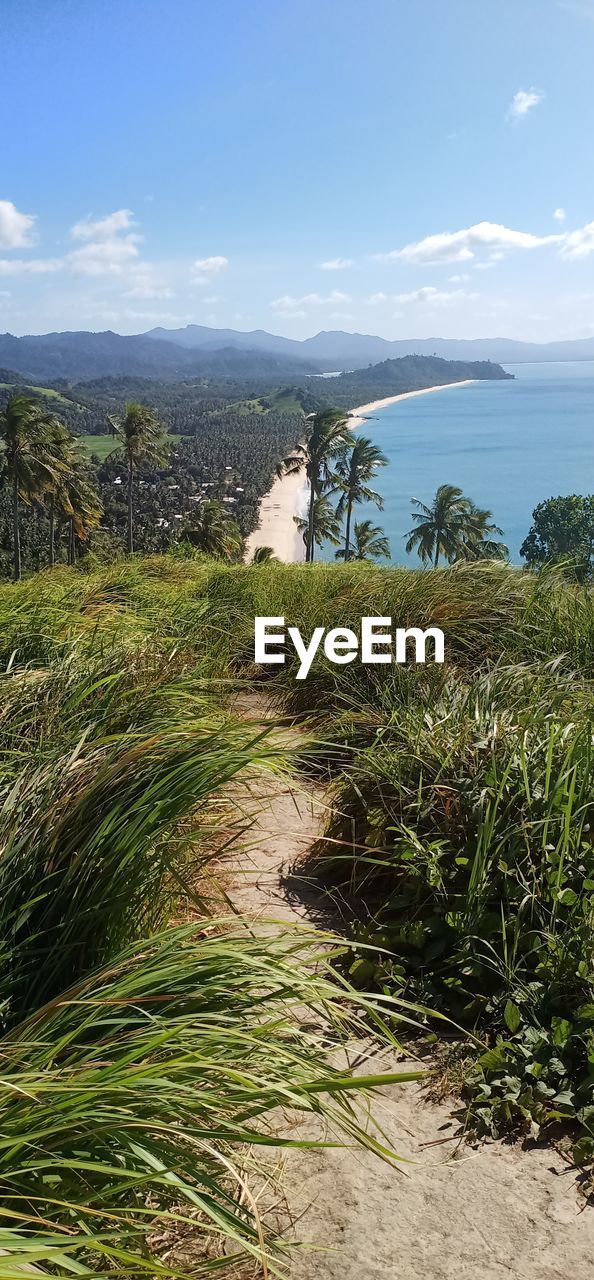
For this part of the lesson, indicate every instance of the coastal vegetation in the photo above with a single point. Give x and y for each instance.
(325, 436)
(143, 444)
(457, 864)
(147, 1038)
(453, 528)
(226, 430)
(458, 837)
(562, 531)
(355, 469)
(369, 543)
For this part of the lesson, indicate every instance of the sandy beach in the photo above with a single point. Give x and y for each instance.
(358, 415)
(277, 528)
(288, 496)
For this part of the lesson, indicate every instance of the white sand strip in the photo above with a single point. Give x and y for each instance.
(277, 529)
(288, 496)
(358, 415)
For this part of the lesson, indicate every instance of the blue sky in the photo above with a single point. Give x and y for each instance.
(176, 161)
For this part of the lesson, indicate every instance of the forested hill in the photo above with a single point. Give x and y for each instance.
(76, 356)
(409, 373)
(426, 370)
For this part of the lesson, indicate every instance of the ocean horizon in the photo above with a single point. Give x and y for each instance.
(508, 445)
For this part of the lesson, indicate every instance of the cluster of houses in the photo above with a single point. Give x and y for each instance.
(162, 522)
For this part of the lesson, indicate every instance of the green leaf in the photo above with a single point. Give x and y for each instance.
(562, 1029)
(495, 1058)
(583, 1151)
(512, 1017)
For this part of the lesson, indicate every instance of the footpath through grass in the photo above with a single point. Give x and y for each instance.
(138, 1060)
(461, 841)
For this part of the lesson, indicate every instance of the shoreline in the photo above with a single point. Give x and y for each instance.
(360, 414)
(288, 496)
(276, 528)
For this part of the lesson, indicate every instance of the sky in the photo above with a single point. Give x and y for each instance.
(382, 166)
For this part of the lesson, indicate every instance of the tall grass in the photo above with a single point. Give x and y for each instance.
(138, 1062)
(130, 1103)
(462, 836)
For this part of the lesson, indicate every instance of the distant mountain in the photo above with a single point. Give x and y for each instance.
(198, 337)
(338, 350)
(198, 351)
(97, 355)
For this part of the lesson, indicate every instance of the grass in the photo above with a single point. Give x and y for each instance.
(129, 1103)
(459, 840)
(140, 1062)
(103, 445)
(283, 401)
(49, 392)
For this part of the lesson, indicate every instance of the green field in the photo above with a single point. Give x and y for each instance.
(283, 401)
(101, 446)
(41, 391)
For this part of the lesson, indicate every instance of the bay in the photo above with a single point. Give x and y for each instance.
(507, 445)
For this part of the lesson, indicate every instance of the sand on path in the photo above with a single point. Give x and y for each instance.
(498, 1212)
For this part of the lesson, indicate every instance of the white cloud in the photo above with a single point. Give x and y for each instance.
(148, 291)
(143, 282)
(376, 299)
(110, 245)
(156, 317)
(289, 306)
(459, 279)
(523, 101)
(205, 268)
(436, 297)
(16, 229)
(109, 248)
(292, 315)
(578, 244)
(29, 266)
(336, 264)
(462, 246)
(559, 215)
(103, 228)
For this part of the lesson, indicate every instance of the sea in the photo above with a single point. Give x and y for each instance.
(508, 445)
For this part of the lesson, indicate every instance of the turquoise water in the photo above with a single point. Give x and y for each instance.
(508, 445)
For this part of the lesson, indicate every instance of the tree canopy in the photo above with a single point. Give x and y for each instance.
(562, 530)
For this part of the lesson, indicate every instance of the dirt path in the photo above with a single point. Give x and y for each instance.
(490, 1213)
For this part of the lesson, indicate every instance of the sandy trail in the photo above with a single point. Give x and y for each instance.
(494, 1212)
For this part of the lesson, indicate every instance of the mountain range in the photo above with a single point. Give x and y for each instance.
(337, 350)
(199, 351)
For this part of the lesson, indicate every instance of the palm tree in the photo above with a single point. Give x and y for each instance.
(370, 543)
(213, 531)
(441, 527)
(72, 457)
(479, 542)
(322, 524)
(143, 443)
(355, 468)
(82, 505)
(263, 555)
(33, 458)
(326, 433)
